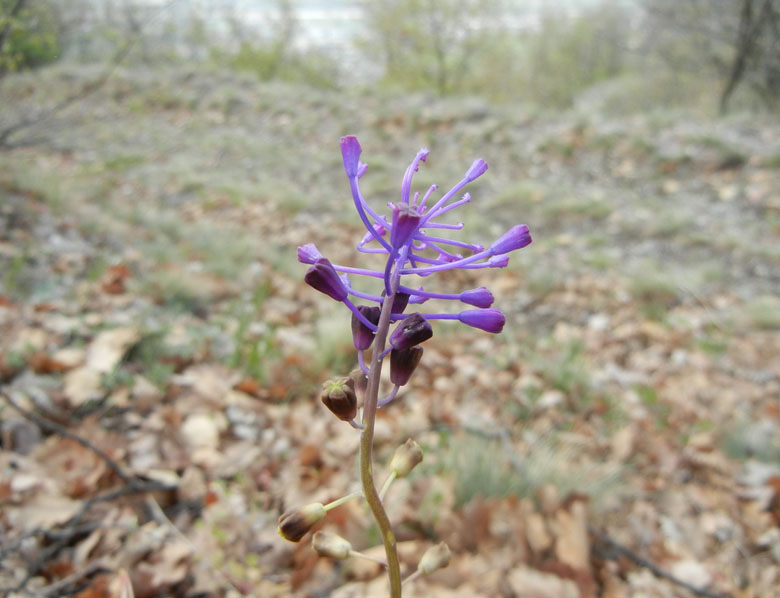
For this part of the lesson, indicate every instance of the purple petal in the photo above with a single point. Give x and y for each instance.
(516, 237)
(308, 254)
(350, 152)
(478, 168)
(489, 320)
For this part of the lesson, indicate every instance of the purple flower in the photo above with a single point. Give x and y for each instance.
(323, 277)
(405, 222)
(480, 297)
(362, 335)
(403, 363)
(516, 237)
(489, 320)
(478, 168)
(412, 330)
(350, 152)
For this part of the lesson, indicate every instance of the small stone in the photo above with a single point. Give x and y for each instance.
(200, 431)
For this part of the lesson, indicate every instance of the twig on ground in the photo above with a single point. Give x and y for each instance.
(73, 526)
(55, 589)
(652, 567)
(56, 428)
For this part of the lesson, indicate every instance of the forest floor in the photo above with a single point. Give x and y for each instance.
(161, 356)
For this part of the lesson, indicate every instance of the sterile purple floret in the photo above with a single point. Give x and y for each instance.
(489, 320)
(480, 297)
(516, 237)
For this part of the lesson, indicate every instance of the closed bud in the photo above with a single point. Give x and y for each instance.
(405, 222)
(413, 330)
(403, 363)
(480, 297)
(516, 237)
(489, 320)
(339, 396)
(406, 457)
(294, 525)
(332, 545)
(362, 335)
(323, 277)
(400, 301)
(435, 558)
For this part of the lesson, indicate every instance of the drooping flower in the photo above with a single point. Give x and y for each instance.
(295, 524)
(412, 330)
(403, 363)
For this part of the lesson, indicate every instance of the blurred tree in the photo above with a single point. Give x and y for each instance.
(737, 41)
(28, 34)
(271, 52)
(567, 55)
(423, 44)
(756, 52)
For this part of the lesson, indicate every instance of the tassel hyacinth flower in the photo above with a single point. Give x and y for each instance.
(412, 240)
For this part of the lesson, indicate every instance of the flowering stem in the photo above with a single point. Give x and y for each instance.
(367, 444)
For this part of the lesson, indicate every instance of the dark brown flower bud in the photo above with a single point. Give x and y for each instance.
(332, 545)
(400, 301)
(406, 457)
(362, 335)
(323, 277)
(412, 330)
(403, 363)
(294, 525)
(338, 395)
(436, 557)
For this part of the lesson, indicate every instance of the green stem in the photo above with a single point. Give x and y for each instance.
(367, 445)
(340, 501)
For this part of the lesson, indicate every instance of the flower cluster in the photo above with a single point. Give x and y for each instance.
(412, 242)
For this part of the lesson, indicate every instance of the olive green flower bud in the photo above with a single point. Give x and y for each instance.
(294, 524)
(436, 557)
(338, 395)
(332, 545)
(406, 457)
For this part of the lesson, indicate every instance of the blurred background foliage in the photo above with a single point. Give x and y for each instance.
(619, 55)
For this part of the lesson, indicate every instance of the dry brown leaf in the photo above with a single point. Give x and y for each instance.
(109, 347)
